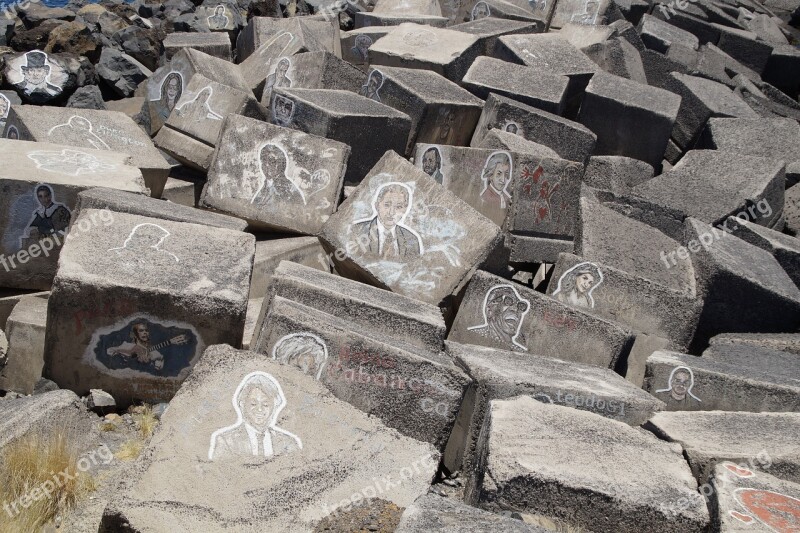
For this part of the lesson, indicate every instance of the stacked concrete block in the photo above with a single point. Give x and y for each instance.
(501, 314)
(525, 84)
(24, 358)
(729, 379)
(500, 375)
(41, 182)
(275, 178)
(309, 70)
(190, 133)
(529, 462)
(570, 140)
(205, 433)
(712, 185)
(346, 117)
(133, 308)
(710, 437)
(629, 118)
(214, 44)
(441, 112)
(416, 232)
(489, 29)
(393, 13)
(163, 90)
(395, 385)
(446, 52)
(356, 43)
(642, 304)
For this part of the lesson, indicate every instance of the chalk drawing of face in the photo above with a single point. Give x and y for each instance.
(304, 351)
(504, 311)
(258, 401)
(576, 285)
(680, 384)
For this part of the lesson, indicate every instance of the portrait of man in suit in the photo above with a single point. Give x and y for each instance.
(432, 164)
(258, 401)
(386, 232)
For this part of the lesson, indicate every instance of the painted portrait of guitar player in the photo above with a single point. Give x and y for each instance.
(145, 344)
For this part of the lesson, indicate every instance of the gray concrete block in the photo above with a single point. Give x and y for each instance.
(497, 139)
(742, 498)
(381, 379)
(710, 437)
(165, 87)
(627, 299)
(660, 35)
(25, 357)
(509, 316)
(191, 132)
(554, 461)
(441, 111)
(137, 204)
(201, 444)
(571, 140)
(307, 251)
(134, 305)
(784, 342)
(581, 12)
(501, 375)
(291, 182)
(215, 44)
(373, 312)
(273, 37)
(616, 174)
(617, 56)
(41, 182)
(438, 238)
(701, 100)
(744, 46)
(92, 129)
(524, 84)
(356, 43)
(345, 117)
(629, 118)
(488, 29)
(713, 383)
(446, 52)
(785, 249)
(435, 513)
(712, 185)
(745, 289)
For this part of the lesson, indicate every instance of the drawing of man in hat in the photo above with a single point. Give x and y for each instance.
(35, 74)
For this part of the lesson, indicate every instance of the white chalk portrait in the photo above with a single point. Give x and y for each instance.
(199, 106)
(282, 110)
(480, 11)
(258, 402)
(304, 351)
(385, 230)
(576, 285)
(680, 384)
(503, 311)
(144, 245)
(371, 89)
(495, 179)
(218, 20)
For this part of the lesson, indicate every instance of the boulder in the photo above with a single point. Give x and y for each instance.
(39, 77)
(73, 38)
(87, 97)
(121, 72)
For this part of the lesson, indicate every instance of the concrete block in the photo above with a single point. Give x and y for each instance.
(290, 182)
